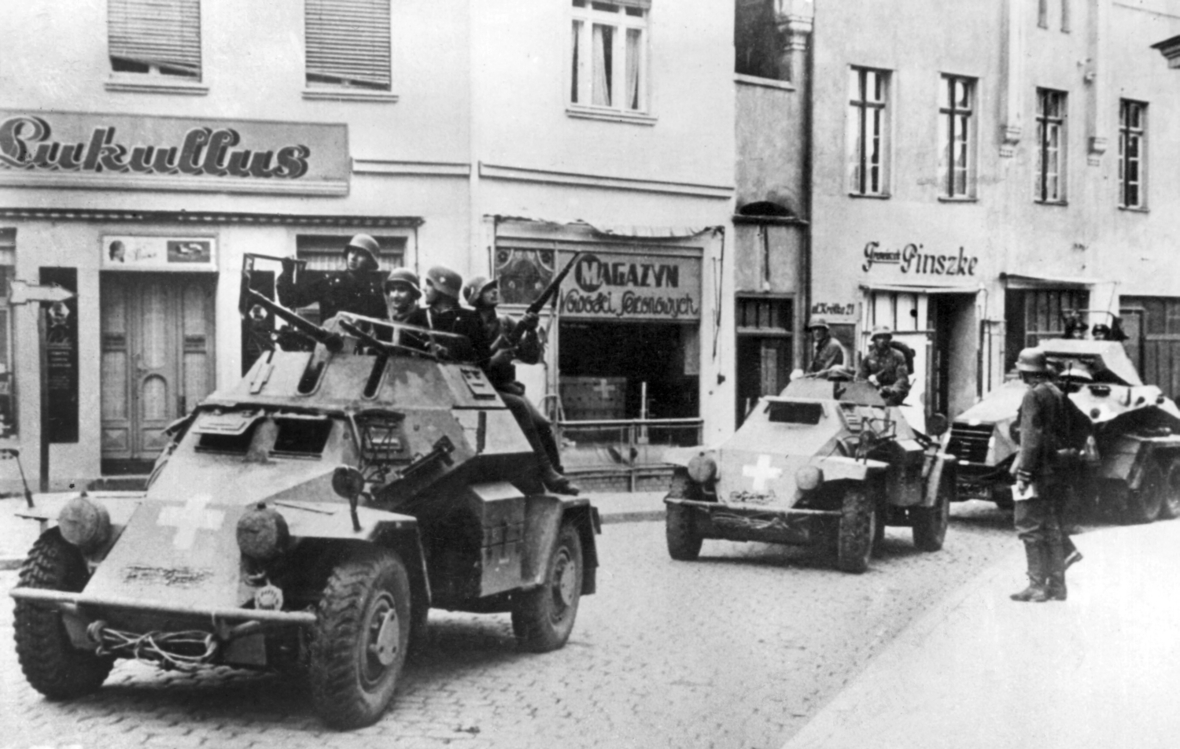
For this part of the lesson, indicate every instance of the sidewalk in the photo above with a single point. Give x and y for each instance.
(18, 534)
(1100, 670)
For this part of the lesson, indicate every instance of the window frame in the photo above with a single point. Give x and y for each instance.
(628, 16)
(1138, 134)
(321, 60)
(1051, 140)
(949, 114)
(121, 37)
(857, 158)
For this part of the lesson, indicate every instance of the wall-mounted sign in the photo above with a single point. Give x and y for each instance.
(72, 149)
(129, 252)
(617, 286)
(914, 258)
(834, 311)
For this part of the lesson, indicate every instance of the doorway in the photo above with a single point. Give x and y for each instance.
(765, 349)
(157, 361)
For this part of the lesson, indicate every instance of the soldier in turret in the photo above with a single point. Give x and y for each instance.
(885, 367)
(828, 353)
(357, 289)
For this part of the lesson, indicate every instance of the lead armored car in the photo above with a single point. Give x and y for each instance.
(1136, 430)
(824, 463)
(307, 518)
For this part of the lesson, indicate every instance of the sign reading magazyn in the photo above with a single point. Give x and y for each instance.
(646, 286)
(73, 149)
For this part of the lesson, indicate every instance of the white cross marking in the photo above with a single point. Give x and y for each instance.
(604, 389)
(761, 471)
(189, 519)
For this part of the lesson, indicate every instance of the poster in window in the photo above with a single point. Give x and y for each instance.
(523, 274)
(60, 416)
(156, 253)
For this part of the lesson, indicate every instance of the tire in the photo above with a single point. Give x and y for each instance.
(854, 537)
(51, 664)
(1145, 503)
(360, 638)
(1171, 506)
(930, 523)
(542, 618)
(684, 544)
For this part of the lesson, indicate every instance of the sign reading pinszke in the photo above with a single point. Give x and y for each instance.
(619, 286)
(72, 149)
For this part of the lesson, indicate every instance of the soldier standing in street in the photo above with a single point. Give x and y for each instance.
(513, 340)
(357, 289)
(1038, 484)
(828, 352)
(885, 367)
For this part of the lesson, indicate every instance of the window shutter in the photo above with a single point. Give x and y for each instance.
(645, 4)
(348, 42)
(156, 32)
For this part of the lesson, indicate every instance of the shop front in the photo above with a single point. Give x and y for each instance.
(623, 372)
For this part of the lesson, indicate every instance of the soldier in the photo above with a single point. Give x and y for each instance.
(885, 367)
(402, 292)
(1038, 483)
(829, 353)
(484, 296)
(357, 289)
(443, 313)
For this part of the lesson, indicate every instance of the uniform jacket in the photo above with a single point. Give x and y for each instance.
(828, 353)
(358, 292)
(528, 351)
(1042, 415)
(459, 321)
(889, 367)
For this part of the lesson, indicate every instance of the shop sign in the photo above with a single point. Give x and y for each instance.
(129, 252)
(913, 258)
(618, 286)
(834, 311)
(69, 149)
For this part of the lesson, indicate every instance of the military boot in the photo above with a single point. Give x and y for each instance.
(1036, 591)
(1055, 579)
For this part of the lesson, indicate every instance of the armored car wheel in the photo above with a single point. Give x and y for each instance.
(52, 665)
(684, 544)
(1171, 505)
(358, 645)
(542, 618)
(930, 523)
(1145, 503)
(854, 536)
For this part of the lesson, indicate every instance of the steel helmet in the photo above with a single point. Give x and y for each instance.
(818, 322)
(882, 331)
(365, 245)
(403, 277)
(1032, 360)
(445, 280)
(474, 289)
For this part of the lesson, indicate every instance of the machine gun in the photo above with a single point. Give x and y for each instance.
(250, 300)
(510, 340)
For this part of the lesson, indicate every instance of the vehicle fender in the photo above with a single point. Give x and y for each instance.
(544, 515)
(680, 456)
(841, 468)
(942, 466)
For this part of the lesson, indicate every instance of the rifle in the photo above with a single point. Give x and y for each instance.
(512, 340)
(249, 297)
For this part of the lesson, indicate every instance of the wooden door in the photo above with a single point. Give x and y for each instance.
(157, 361)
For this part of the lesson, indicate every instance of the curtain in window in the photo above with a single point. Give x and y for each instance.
(156, 32)
(633, 37)
(348, 42)
(602, 48)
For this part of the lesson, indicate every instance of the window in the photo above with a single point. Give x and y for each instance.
(1132, 139)
(1049, 176)
(764, 348)
(956, 134)
(756, 40)
(348, 44)
(868, 131)
(7, 390)
(155, 38)
(609, 55)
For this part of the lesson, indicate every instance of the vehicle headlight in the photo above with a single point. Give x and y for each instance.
(84, 524)
(809, 478)
(702, 468)
(262, 533)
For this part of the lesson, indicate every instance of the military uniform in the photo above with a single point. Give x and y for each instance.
(893, 377)
(1037, 517)
(461, 322)
(828, 353)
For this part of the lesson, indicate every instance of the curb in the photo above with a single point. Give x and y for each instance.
(10, 563)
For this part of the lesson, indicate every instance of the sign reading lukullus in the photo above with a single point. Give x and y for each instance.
(172, 152)
(633, 287)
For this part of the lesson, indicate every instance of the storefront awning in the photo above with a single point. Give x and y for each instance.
(1022, 281)
(622, 231)
(902, 288)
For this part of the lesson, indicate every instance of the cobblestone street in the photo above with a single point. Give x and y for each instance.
(738, 649)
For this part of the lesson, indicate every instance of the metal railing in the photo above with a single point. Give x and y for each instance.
(630, 448)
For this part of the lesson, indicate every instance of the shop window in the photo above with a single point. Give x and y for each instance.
(8, 414)
(1034, 315)
(152, 38)
(868, 132)
(1152, 329)
(1049, 174)
(1132, 164)
(609, 67)
(956, 134)
(348, 44)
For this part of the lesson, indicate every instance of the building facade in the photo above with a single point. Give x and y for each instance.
(984, 171)
(145, 155)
